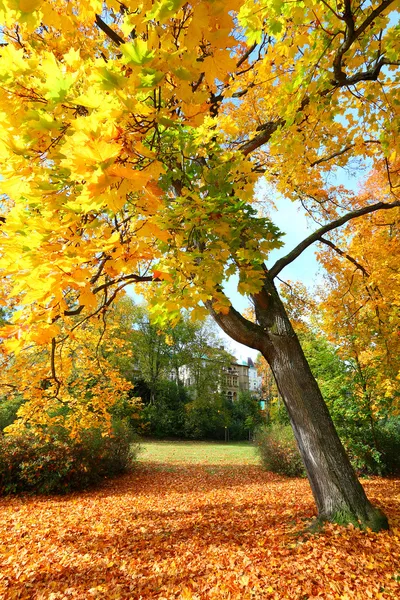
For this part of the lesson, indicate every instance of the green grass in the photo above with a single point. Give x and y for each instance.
(209, 453)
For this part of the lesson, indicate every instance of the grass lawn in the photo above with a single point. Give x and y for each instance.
(206, 453)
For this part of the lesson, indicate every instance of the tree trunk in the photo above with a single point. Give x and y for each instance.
(337, 492)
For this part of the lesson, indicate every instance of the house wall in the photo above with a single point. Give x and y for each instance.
(236, 380)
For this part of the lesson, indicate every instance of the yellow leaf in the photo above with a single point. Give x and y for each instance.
(28, 6)
(137, 179)
(87, 298)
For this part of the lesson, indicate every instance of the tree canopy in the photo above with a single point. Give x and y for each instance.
(132, 138)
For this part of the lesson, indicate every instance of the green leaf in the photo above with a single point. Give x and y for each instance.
(149, 78)
(137, 52)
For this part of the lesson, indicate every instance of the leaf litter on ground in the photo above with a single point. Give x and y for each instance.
(195, 532)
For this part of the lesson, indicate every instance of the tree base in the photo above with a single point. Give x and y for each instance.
(375, 521)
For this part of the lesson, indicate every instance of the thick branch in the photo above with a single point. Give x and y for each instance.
(371, 18)
(263, 137)
(314, 237)
(237, 327)
(117, 39)
(371, 75)
(351, 36)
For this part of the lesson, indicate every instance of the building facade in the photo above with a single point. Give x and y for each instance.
(238, 376)
(235, 379)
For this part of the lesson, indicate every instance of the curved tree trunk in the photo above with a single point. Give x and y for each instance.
(337, 492)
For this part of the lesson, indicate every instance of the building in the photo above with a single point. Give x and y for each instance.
(235, 379)
(255, 380)
(239, 376)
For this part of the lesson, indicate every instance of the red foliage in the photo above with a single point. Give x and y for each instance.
(197, 532)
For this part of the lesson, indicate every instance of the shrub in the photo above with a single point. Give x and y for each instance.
(376, 450)
(278, 450)
(59, 464)
(388, 441)
(9, 406)
(166, 417)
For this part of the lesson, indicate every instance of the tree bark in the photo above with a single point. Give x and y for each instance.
(338, 494)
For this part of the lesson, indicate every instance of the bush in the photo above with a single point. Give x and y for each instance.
(166, 417)
(59, 464)
(388, 441)
(278, 450)
(8, 409)
(373, 451)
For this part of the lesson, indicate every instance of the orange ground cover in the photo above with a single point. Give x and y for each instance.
(193, 532)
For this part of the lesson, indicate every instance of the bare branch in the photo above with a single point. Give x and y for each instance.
(262, 138)
(340, 152)
(314, 237)
(125, 279)
(246, 55)
(117, 39)
(134, 278)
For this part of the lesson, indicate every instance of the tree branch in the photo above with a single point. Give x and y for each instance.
(135, 278)
(345, 255)
(262, 138)
(125, 279)
(351, 36)
(237, 327)
(117, 39)
(340, 152)
(246, 55)
(314, 237)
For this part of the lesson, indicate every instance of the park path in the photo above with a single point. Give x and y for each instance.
(193, 532)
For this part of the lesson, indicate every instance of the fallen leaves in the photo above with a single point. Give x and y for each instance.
(194, 532)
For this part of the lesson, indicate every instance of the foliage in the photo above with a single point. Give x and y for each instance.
(218, 529)
(334, 375)
(360, 305)
(373, 446)
(207, 416)
(86, 389)
(278, 450)
(166, 417)
(388, 443)
(130, 158)
(159, 353)
(9, 406)
(58, 464)
(246, 416)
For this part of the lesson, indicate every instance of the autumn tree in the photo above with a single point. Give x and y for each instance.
(132, 139)
(360, 308)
